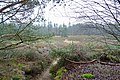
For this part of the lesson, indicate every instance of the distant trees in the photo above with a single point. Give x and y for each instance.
(65, 30)
(50, 26)
(104, 14)
(8, 29)
(22, 13)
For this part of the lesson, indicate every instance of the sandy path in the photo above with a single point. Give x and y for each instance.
(46, 75)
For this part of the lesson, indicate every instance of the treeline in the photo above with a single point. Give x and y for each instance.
(12, 28)
(65, 30)
(53, 29)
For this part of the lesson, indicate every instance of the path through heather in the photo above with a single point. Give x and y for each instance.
(46, 75)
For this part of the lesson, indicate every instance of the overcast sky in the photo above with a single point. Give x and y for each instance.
(60, 14)
(65, 14)
(73, 11)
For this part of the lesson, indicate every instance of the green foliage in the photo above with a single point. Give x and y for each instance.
(64, 31)
(95, 56)
(70, 52)
(62, 62)
(113, 53)
(30, 56)
(88, 76)
(91, 45)
(16, 78)
(113, 58)
(25, 53)
(53, 71)
(60, 73)
(20, 66)
(7, 29)
(113, 46)
(63, 52)
(58, 69)
(59, 52)
(75, 57)
(6, 53)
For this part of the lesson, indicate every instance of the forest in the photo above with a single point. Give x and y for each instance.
(59, 39)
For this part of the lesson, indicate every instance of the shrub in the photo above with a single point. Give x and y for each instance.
(60, 73)
(113, 54)
(95, 56)
(113, 58)
(70, 52)
(8, 54)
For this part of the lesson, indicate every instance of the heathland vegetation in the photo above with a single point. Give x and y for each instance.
(34, 48)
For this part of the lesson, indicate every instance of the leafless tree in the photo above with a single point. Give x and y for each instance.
(105, 14)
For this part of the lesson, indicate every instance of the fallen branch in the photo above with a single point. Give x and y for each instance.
(108, 63)
(87, 62)
(93, 62)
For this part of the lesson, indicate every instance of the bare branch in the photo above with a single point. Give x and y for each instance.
(11, 5)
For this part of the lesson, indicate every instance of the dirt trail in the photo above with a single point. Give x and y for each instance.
(46, 75)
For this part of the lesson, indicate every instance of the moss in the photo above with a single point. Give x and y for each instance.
(88, 76)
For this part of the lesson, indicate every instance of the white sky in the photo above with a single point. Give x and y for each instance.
(61, 14)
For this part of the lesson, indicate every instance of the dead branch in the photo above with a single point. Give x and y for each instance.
(93, 62)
